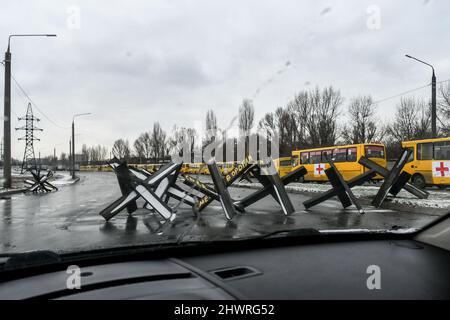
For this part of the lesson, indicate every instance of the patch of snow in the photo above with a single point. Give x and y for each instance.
(436, 199)
(62, 179)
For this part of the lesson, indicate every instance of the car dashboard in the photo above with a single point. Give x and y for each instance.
(408, 269)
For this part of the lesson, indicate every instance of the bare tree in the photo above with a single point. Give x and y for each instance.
(158, 141)
(267, 124)
(299, 109)
(64, 159)
(210, 126)
(139, 148)
(362, 126)
(246, 119)
(310, 119)
(282, 124)
(103, 153)
(412, 120)
(246, 116)
(85, 154)
(444, 107)
(96, 154)
(321, 124)
(286, 127)
(176, 141)
(121, 149)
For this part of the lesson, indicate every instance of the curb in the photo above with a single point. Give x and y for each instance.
(11, 192)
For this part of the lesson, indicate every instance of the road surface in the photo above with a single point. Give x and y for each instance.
(68, 219)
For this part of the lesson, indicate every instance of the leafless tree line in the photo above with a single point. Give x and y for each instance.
(309, 119)
(312, 118)
(95, 154)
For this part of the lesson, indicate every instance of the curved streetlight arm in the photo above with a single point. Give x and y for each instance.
(411, 57)
(79, 115)
(28, 35)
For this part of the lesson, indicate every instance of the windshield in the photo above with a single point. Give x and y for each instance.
(161, 122)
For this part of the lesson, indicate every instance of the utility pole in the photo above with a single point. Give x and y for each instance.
(1, 150)
(73, 141)
(7, 122)
(433, 96)
(70, 153)
(7, 109)
(433, 106)
(73, 149)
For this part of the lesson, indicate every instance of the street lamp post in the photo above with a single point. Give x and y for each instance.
(433, 96)
(73, 141)
(7, 109)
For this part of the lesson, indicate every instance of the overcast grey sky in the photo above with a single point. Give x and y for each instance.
(131, 63)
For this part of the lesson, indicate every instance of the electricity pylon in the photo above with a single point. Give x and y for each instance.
(29, 159)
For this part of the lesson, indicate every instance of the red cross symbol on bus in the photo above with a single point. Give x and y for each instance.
(320, 169)
(442, 169)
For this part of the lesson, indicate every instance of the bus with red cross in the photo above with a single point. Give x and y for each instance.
(429, 163)
(345, 158)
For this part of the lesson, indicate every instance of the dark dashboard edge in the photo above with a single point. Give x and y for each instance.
(210, 278)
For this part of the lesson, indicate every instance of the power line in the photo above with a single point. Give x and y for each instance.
(448, 80)
(400, 94)
(406, 92)
(34, 104)
(16, 90)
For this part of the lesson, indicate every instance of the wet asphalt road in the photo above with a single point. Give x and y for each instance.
(68, 220)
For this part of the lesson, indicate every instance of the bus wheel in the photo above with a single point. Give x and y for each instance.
(419, 181)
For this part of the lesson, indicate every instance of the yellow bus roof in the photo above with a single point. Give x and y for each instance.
(335, 147)
(282, 159)
(426, 140)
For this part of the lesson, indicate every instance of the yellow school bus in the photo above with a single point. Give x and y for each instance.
(107, 168)
(283, 165)
(152, 167)
(194, 168)
(345, 158)
(430, 162)
(204, 169)
(184, 168)
(226, 167)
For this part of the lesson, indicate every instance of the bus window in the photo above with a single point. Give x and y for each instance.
(425, 151)
(340, 155)
(411, 156)
(375, 152)
(314, 157)
(325, 154)
(442, 150)
(304, 158)
(295, 160)
(351, 154)
(285, 163)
